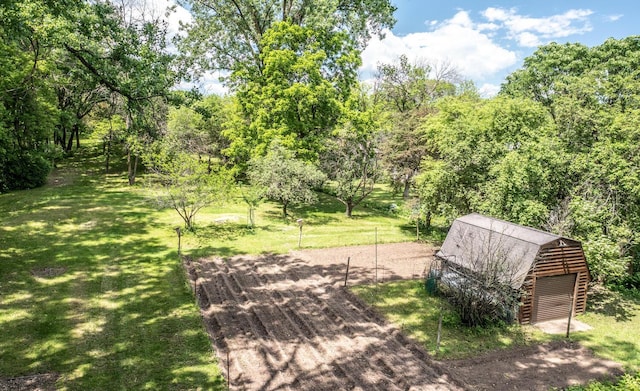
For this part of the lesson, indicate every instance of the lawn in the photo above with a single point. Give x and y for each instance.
(91, 286)
(408, 305)
(615, 318)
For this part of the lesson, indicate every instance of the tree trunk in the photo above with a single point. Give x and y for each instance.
(70, 141)
(132, 162)
(407, 187)
(77, 137)
(349, 210)
(108, 152)
(284, 210)
(427, 220)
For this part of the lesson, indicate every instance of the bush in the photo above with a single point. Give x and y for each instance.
(24, 172)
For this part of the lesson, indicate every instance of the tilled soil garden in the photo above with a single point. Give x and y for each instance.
(286, 322)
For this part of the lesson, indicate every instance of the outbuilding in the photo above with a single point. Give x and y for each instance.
(548, 271)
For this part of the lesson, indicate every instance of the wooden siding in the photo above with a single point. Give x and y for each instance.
(554, 261)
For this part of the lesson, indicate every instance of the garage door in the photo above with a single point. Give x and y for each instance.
(553, 297)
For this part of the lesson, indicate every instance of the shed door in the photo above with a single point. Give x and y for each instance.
(553, 297)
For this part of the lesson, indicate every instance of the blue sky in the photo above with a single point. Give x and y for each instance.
(487, 40)
(484, 40)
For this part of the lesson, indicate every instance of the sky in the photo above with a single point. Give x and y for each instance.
(485, 40)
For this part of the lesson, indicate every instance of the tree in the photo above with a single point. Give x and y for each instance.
(592, 95)
(187, 185)
(495, 156)
(286, 180)
(305, 78)
(350, 157)
(409, 91)
(125, 49)
(227, 34)
(253, 197)
(291, 62)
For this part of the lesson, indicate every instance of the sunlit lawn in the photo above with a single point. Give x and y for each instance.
(615, 319)
(91, 288)
(91, 285)
(407, 304)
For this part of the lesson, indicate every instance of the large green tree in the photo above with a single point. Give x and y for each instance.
(59, 60)
(409, 91)
(227, 34)
(493, 156)
(291, 62)
(306, 76)
(350, 157)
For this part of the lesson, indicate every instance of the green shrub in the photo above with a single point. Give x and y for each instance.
(25, 171)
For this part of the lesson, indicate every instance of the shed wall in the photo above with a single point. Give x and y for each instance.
(555, 261)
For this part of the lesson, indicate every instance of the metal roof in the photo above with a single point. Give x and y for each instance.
(488, 245)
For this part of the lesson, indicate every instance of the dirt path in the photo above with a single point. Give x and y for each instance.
(288, 324)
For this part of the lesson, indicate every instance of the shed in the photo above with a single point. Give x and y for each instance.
(548, 270)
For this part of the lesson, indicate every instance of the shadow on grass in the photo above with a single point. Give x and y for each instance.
(611, 303)
(408, 305)
(117, 314)
(621, 351)
(433, 234)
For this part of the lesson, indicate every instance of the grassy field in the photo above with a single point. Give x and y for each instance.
(615, 318)
(91, 289)
(91, 286)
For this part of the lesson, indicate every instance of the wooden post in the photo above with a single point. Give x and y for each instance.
(376, 248)
(570, 315)
(228, 371)
(439, 332)
(179, 240)
(346, 275)
(300, 223)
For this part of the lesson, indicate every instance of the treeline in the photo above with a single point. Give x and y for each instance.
(557, 149)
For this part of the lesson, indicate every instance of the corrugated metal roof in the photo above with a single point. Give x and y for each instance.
(488, 245)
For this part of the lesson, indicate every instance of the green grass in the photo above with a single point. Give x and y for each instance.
(223, 230)
(615, 318)
(407, 304)
(91, 288)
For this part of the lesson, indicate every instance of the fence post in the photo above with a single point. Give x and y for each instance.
(346, 275)
(376, 248)
(570, 315)
(179, 240)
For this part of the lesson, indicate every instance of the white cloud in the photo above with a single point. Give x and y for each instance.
(458, 41)
(531, 32)
(480, 49)
(613, 18)
(488, 90)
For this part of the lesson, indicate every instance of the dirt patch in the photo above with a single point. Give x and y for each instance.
(48, 272)
(287, 322)
(42, 382)
(558, 364)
